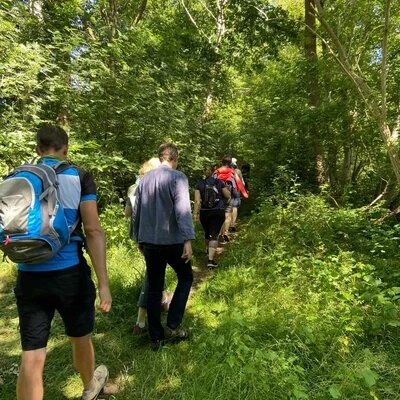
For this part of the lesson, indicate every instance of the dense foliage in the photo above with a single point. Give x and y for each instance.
(215, 77)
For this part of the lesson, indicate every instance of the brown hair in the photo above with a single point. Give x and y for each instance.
(168, 152)
(51, 137)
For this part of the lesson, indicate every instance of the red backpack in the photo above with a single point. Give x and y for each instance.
(232, 181)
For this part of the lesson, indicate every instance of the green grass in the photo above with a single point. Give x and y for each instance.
(303, 306)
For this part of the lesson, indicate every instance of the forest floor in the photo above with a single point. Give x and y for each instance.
(303, 305)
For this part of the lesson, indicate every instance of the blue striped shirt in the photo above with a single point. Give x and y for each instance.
(75, 187)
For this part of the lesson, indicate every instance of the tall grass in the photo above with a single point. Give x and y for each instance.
(303, 306)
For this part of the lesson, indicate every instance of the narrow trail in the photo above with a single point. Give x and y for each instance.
(200, 274)
(200, 270)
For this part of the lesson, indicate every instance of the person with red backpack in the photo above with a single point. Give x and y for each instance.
(228, 175)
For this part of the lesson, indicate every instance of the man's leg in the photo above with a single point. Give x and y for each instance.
(83, 356)
(234, 217)
(227, 223)
(30, 378)
(76, 298)
(185, 278)
(204, 220)
(215, 222)
(156, 263)
(35, 312)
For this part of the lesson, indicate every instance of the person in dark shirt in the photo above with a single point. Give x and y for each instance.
(209, 209)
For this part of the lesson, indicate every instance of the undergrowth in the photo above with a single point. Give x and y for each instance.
(304, 305)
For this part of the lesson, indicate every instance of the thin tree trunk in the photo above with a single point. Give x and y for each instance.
(221, 29)
(314, 101)
(35, 8)
(113, 18)
(141, 10)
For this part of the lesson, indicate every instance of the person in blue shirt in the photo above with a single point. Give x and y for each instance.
(64, 282)
(163, 229)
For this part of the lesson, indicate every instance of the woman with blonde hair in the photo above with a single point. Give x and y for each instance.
(146, 167)
(140, 326)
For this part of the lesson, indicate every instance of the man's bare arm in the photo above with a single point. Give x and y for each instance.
(96, 245)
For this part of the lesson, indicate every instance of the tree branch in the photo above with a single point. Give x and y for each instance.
(192, 19)
(366, 208)
(139, 15)
(210, 12)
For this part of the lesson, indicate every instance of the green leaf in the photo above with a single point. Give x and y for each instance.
(370, 377)
(334, 391)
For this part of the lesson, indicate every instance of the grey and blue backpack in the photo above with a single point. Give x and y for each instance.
(33, 226)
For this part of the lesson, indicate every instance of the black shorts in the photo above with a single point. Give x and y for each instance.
(212, 221)
(70, 291)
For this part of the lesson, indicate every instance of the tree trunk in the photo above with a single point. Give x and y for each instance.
(221, 29)
(113, 18)
(35, 8)
(314, 101)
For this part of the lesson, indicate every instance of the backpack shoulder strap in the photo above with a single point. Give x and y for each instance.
(61, 167)
(45, 173)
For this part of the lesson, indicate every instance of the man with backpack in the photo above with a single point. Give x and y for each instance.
(233, 182)
(209, 209)
(35, 201)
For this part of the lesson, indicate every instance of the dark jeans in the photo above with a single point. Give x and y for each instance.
(157, 257)
(144, 293)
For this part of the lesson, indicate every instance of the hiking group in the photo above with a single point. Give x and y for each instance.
(49, 216)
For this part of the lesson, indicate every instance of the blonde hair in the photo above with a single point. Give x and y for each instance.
(149, 165)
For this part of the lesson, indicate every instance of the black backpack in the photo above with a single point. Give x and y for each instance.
(211, 197)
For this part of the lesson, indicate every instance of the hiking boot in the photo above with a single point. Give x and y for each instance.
(176, 335)
(100, 379)
(212, 264)
(157, 345)
(225, 239)
(137, 330)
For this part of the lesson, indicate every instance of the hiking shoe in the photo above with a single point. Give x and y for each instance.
(223, 239)
(212, 264)
(137, 330)
(157, 345)
(100, 379)
(176, 335)
(232, 229)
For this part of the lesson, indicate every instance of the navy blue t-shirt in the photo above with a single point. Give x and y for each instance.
(211, 181)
